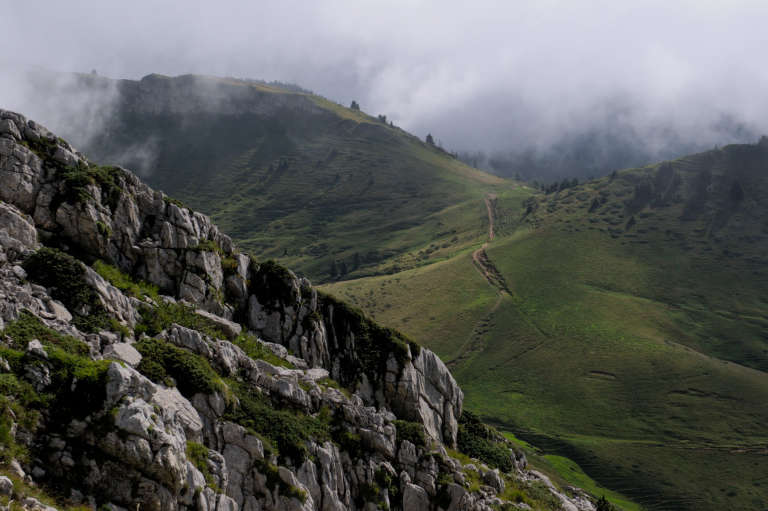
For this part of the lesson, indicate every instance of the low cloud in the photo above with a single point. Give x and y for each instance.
(492, 76)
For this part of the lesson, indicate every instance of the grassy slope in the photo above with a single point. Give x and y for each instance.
(308, 182)
(637, 349)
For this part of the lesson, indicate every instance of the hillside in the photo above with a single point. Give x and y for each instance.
(327, 190)
(619, 323)
(147, 363)
(624, 327)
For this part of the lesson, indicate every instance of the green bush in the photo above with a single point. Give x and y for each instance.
(603, 505)
(349, 442)
(288, 431)
(65, 276)
(191, 372)
(480, 441)
(156, 319)
(229, 266)
(411, 431)
(77, 179)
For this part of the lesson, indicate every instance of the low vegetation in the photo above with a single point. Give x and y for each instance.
(156, 319)
(197, 454)
(412, 432)
(126, 283)
(78, 179)
(255, 349)
(480, 441)
(162, 362)
(650, 328)
(76, 389)
(65, 276)
(287, 431)
(374, 343)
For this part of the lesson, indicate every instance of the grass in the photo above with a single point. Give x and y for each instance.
(287, 432)
(635, 349)
(310, 190)
(28, 327)
(125, 282)
(198, 454)
(565, 471)
(633, 339)
(156, 319)
(255, 349)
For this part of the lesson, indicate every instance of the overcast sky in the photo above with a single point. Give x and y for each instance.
(479, 74)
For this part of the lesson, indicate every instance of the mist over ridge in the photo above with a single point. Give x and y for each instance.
(531, 86)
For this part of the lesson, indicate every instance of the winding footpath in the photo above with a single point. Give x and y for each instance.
(491, 274)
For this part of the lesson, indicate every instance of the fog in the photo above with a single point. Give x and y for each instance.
(500, 77)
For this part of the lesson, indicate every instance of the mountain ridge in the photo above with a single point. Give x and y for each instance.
(292, 176)
(175, 413)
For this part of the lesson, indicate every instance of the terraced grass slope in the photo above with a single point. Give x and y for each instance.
(327, 190)
(625, 328)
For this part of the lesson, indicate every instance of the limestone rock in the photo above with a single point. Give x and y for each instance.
(415, 498)
(6, 486)
(124, 352)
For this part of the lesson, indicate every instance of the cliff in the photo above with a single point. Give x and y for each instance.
(147, 363)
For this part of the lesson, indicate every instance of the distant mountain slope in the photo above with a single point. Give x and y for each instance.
(329, 190)
(633, 337)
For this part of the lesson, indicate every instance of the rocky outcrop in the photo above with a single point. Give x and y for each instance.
(139, 230)
(290, 400)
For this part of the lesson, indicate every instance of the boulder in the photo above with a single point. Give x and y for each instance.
(124, 352)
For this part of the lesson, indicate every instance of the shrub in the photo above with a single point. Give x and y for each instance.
(77, 179)
(411, 431)
(272, 284)
(288, 431)
(65, 276)
(603, 505)
(229, 266)
(274, 481)
(191, 372)
(480, 441)
(349, 442)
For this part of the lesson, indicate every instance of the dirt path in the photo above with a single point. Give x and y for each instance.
(480, 257)
(490, 206)
(493, 276)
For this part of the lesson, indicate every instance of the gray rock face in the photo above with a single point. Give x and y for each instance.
(124, 352)
(415, 498)
(6, 486)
